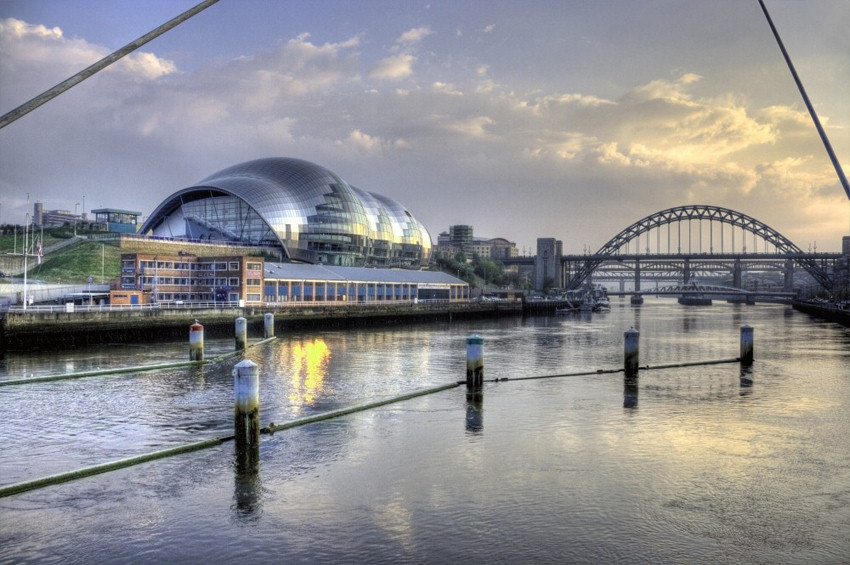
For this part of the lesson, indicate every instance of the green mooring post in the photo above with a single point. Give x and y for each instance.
(474, 362)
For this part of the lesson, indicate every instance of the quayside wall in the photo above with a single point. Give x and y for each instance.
(829, 312)
(49, 330)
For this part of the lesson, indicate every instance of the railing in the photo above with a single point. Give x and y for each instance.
(49, 308)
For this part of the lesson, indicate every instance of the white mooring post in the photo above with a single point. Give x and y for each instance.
(631, 356)
(241, 334)
(268, 325)
(246, 411)
(746, 345)
(196, 342)
(474, 361)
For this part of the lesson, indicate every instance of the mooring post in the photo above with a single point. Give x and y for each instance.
(246, 411)
(631, 353)
(196, 342)
(746, 345)
(241, 334)
(474, 361)
(268, 325)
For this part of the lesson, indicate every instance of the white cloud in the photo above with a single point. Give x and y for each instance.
(415, 35)
(393, 68)
(453, 137)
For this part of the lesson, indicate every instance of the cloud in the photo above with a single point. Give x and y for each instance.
(393, 68)
(415, 35)
(147, 129)
(40, 57)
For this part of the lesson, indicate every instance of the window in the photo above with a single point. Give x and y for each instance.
(253, 282)
(234, 281)
(254, 266)
(234, 265)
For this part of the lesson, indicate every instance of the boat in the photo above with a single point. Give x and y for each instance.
(602, 303)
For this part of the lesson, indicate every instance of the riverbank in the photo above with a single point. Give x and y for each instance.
(826, 310)
(50, 330)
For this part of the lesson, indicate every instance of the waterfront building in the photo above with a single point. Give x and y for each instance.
(298, 282)
(309, 212)
(164, 279)
(171, 279)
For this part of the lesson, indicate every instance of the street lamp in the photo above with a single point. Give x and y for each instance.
(75, 218)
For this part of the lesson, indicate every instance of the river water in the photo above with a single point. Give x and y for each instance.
(695, 468)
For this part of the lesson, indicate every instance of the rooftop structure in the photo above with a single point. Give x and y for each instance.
(307, 210)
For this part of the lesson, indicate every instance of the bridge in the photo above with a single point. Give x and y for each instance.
(709, 290)
(688, 243)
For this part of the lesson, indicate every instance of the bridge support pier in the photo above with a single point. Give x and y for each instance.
(789, 276)
(736, 274)
(637, 275)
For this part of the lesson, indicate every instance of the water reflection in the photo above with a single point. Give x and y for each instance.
(630, 392)
(309, 363)
(247, 488)
(474, 412)
(746, 380)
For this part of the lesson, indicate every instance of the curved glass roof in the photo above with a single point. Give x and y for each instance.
(313, 213)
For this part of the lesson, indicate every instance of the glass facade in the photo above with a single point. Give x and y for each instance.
(310, 211)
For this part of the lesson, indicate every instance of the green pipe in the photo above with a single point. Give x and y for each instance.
(17, 488)
(345, 411)
(120, 370)
(610, 371)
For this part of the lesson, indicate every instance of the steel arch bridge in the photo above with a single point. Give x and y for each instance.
(712, 214)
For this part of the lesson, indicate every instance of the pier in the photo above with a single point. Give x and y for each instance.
(56, 328)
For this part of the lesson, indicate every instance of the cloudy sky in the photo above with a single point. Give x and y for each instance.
(566, 118)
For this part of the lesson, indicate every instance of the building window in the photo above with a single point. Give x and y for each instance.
(234, 266)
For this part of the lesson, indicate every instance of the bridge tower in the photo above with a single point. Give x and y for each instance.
(789, 275)
(548, 265)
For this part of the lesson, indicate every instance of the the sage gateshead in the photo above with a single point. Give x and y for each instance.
(308, 211)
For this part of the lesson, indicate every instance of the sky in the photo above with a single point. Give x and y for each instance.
(569, 119)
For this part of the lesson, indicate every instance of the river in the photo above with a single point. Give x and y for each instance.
(695, 468)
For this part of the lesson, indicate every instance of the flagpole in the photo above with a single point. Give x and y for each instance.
(26, 229)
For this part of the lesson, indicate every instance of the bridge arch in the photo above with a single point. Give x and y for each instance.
(714, 214)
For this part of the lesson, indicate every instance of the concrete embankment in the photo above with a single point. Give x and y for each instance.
(825, 311)
(33, 329)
